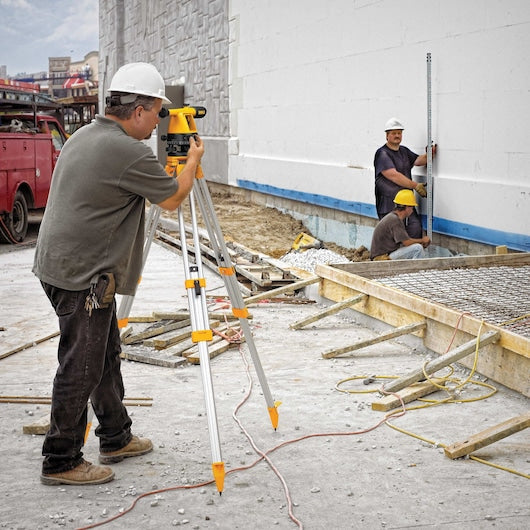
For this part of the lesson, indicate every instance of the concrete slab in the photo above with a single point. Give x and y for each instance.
(340, 466)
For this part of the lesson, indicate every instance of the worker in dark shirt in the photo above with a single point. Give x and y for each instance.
(393, 165)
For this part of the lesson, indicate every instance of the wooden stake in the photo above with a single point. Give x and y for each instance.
(488, 436)
(397, 332)
(409, 394)
(335, 308)
(442, 362)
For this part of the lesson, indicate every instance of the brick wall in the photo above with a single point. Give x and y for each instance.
(183, 39)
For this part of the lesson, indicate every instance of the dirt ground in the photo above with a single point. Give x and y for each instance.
(264, 229)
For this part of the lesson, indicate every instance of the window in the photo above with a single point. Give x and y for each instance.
(57, 137)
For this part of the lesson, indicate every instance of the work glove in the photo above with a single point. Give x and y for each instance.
(434, 146)
(421, 189)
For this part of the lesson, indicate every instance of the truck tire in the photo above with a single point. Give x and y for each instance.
(16, 222)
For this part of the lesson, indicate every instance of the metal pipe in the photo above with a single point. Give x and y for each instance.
(430, 189)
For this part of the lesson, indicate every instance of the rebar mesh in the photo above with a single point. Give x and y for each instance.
(498, 295)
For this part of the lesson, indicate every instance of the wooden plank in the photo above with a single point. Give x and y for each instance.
(375, 269)
(161, 344)
(28, 345)
(335, 308)
(177, 315)
(45, 400)
(155, 331)
(155, 357)
(411, 393)
(219, 334)
(172, 339)
(170, 224)
(404, 330)
(143, 319)
(488, 436)
(441, 362)
(40, 426)
(219, 346)
(280, 290)
(185, 347)
(254, 273)
(206, 262)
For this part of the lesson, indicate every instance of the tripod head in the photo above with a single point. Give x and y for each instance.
(181, 127)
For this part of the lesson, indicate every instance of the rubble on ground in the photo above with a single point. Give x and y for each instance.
(310, 258)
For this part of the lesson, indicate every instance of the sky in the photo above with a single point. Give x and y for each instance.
(33, 30)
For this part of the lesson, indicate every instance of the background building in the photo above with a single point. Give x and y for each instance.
(298, 94)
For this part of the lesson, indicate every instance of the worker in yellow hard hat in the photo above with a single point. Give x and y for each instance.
(393, 164)
(390, 239)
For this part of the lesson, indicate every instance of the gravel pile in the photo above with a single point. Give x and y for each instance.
(310, 258)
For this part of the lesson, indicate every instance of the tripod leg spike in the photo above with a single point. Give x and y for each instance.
(273, 413)
(218, 469)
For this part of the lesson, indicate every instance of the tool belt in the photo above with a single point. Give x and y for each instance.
(102, 289)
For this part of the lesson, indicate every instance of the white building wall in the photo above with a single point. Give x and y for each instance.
(312, 84)
(298, 92)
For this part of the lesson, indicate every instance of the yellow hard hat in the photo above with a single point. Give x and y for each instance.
(405, 198)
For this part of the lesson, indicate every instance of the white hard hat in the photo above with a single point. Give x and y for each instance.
(139, 78)
(393, 124)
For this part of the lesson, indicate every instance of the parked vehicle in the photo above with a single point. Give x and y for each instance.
(30, 143)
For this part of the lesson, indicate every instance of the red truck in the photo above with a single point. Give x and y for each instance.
(31, 138)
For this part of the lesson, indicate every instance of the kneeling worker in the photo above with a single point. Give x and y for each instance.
(390, 239)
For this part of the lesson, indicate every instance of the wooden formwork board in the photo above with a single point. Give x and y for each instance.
(506, 362)
(374, 269)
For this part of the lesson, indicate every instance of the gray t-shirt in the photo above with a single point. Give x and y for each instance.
(388, 235)
(94, 218)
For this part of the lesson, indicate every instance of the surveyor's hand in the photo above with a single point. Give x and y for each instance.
(434, 146)
(425, 241)
(196, 149)
(421, 189)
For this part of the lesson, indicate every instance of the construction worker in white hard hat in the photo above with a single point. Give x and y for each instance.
(390, 239)
(90, 246)
(393, 164)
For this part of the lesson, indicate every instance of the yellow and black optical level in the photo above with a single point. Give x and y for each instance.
(181, 127)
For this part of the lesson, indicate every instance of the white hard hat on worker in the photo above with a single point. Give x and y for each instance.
(393, 124)
(139, 78)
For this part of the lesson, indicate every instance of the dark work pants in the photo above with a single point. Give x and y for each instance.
(89, 368)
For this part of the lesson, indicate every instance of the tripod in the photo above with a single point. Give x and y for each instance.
(181, 127)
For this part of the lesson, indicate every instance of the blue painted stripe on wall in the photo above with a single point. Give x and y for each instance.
(442, 226)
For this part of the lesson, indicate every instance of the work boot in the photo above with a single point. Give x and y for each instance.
(85, 473)
(136, 447)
